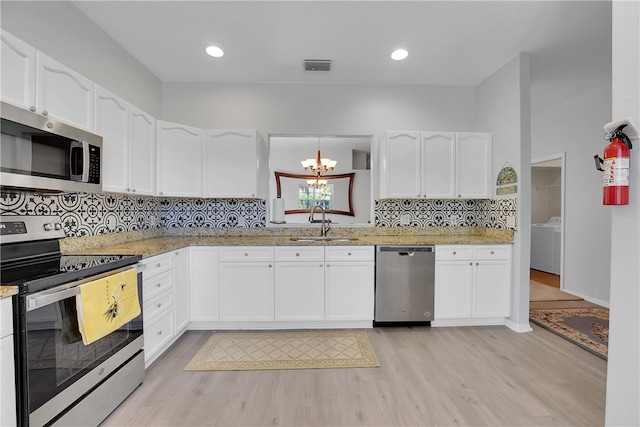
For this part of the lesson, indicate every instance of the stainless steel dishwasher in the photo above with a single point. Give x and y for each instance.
(405, 279)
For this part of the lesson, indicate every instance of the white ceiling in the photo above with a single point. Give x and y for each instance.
(449, 42)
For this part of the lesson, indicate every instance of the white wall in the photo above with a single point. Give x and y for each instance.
(575, 127)
(341, 109)
(623, 371)
(503, 108)
(61, 31)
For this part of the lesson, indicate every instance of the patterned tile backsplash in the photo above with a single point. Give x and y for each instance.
(496, 213)
(94, 214)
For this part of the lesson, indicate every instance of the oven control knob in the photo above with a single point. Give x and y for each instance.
(48, 226)
(57, 226)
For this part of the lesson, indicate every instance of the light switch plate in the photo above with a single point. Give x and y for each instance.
(511, 222)
(405, 219)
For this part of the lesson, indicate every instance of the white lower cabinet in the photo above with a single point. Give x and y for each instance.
(203, 284)
(299, 283)
(181, 279)
(473, 282)
(246, 283)
(157, 305)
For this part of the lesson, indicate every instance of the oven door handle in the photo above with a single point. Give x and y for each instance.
(46, 298)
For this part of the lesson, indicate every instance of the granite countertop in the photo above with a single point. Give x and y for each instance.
(8, 291)
(150, 245)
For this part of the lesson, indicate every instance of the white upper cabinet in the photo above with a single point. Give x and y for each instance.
(142, 152)
(112, 123)
(36, 82)
(436, 165)
(63, 93)
(128, 145)
(235, 164)
(179, 160)
(18, 81)
(401, 165)
(474, 165)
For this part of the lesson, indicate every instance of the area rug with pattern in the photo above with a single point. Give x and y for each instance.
(284, 350)
(586, 327)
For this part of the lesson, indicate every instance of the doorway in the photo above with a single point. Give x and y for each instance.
(547, 219)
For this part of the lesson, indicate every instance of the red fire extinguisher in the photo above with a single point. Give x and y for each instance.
(615, 167)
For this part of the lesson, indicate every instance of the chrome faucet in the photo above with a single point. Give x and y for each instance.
(324, 225)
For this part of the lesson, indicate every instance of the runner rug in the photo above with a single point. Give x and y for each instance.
(586, 327)
(284, 350)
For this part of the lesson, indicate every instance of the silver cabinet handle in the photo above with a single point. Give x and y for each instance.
(32, 108)
(160, 332)
(470, 263)
(477, 263)
(246, 254)
(454, 252)
(45, 113)
(158, 285)
(158, 265)
(159, 305)
(349, 253)
(297, 253)
(491, 252)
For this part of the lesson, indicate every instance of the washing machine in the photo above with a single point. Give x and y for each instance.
(545, 245)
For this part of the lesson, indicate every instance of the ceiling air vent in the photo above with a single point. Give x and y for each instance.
(317, 65)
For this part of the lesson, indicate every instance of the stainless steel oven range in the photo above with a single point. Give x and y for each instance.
(60, 380)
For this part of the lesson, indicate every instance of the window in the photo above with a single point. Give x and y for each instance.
(309, 196)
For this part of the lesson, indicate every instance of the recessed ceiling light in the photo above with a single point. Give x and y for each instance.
(214, 51)
(399, 54)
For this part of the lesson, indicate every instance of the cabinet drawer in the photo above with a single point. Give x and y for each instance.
(156, 285)
(158, 304)
(156, 265)
(452, 253)
(492, 252)
(299, 253)
(246, 253)
(349, 253)
(157, 332)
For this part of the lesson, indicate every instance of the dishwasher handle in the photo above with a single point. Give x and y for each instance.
(406, 250)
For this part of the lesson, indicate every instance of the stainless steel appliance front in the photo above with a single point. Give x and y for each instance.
(40, 153)
(405, 284)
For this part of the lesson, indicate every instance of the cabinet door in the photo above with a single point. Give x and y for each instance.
(181, 288)
(299, 291)
(112, 124)
(401, 165)
(203, 284)
(349, 290)
(64, 94)
(439, 165)
(246, 291)
(474, 165)
(179, 160)
(18, 78)
(142, 152)
(7, 371)
(231, 163)
(453, 292)
(491, 294)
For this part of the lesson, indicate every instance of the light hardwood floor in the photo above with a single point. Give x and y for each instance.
(428, 377)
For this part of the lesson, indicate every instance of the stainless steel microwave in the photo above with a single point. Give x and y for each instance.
(39, 153)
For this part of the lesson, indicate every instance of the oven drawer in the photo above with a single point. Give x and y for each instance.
(156, 285)
(157, 333)
(156, 265)
(157, 305)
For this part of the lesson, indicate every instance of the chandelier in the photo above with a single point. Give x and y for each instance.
(319, 166)
(316, 183)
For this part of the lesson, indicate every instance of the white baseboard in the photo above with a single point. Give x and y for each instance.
(489, 321)
(518, 327)
(217, 325)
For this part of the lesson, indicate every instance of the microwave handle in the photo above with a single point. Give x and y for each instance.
(79, 172)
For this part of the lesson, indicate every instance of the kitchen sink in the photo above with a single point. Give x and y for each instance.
(323, 239)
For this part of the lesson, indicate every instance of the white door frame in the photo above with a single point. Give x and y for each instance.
(562, 158)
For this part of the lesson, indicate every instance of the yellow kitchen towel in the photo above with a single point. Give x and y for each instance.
(106, 304)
